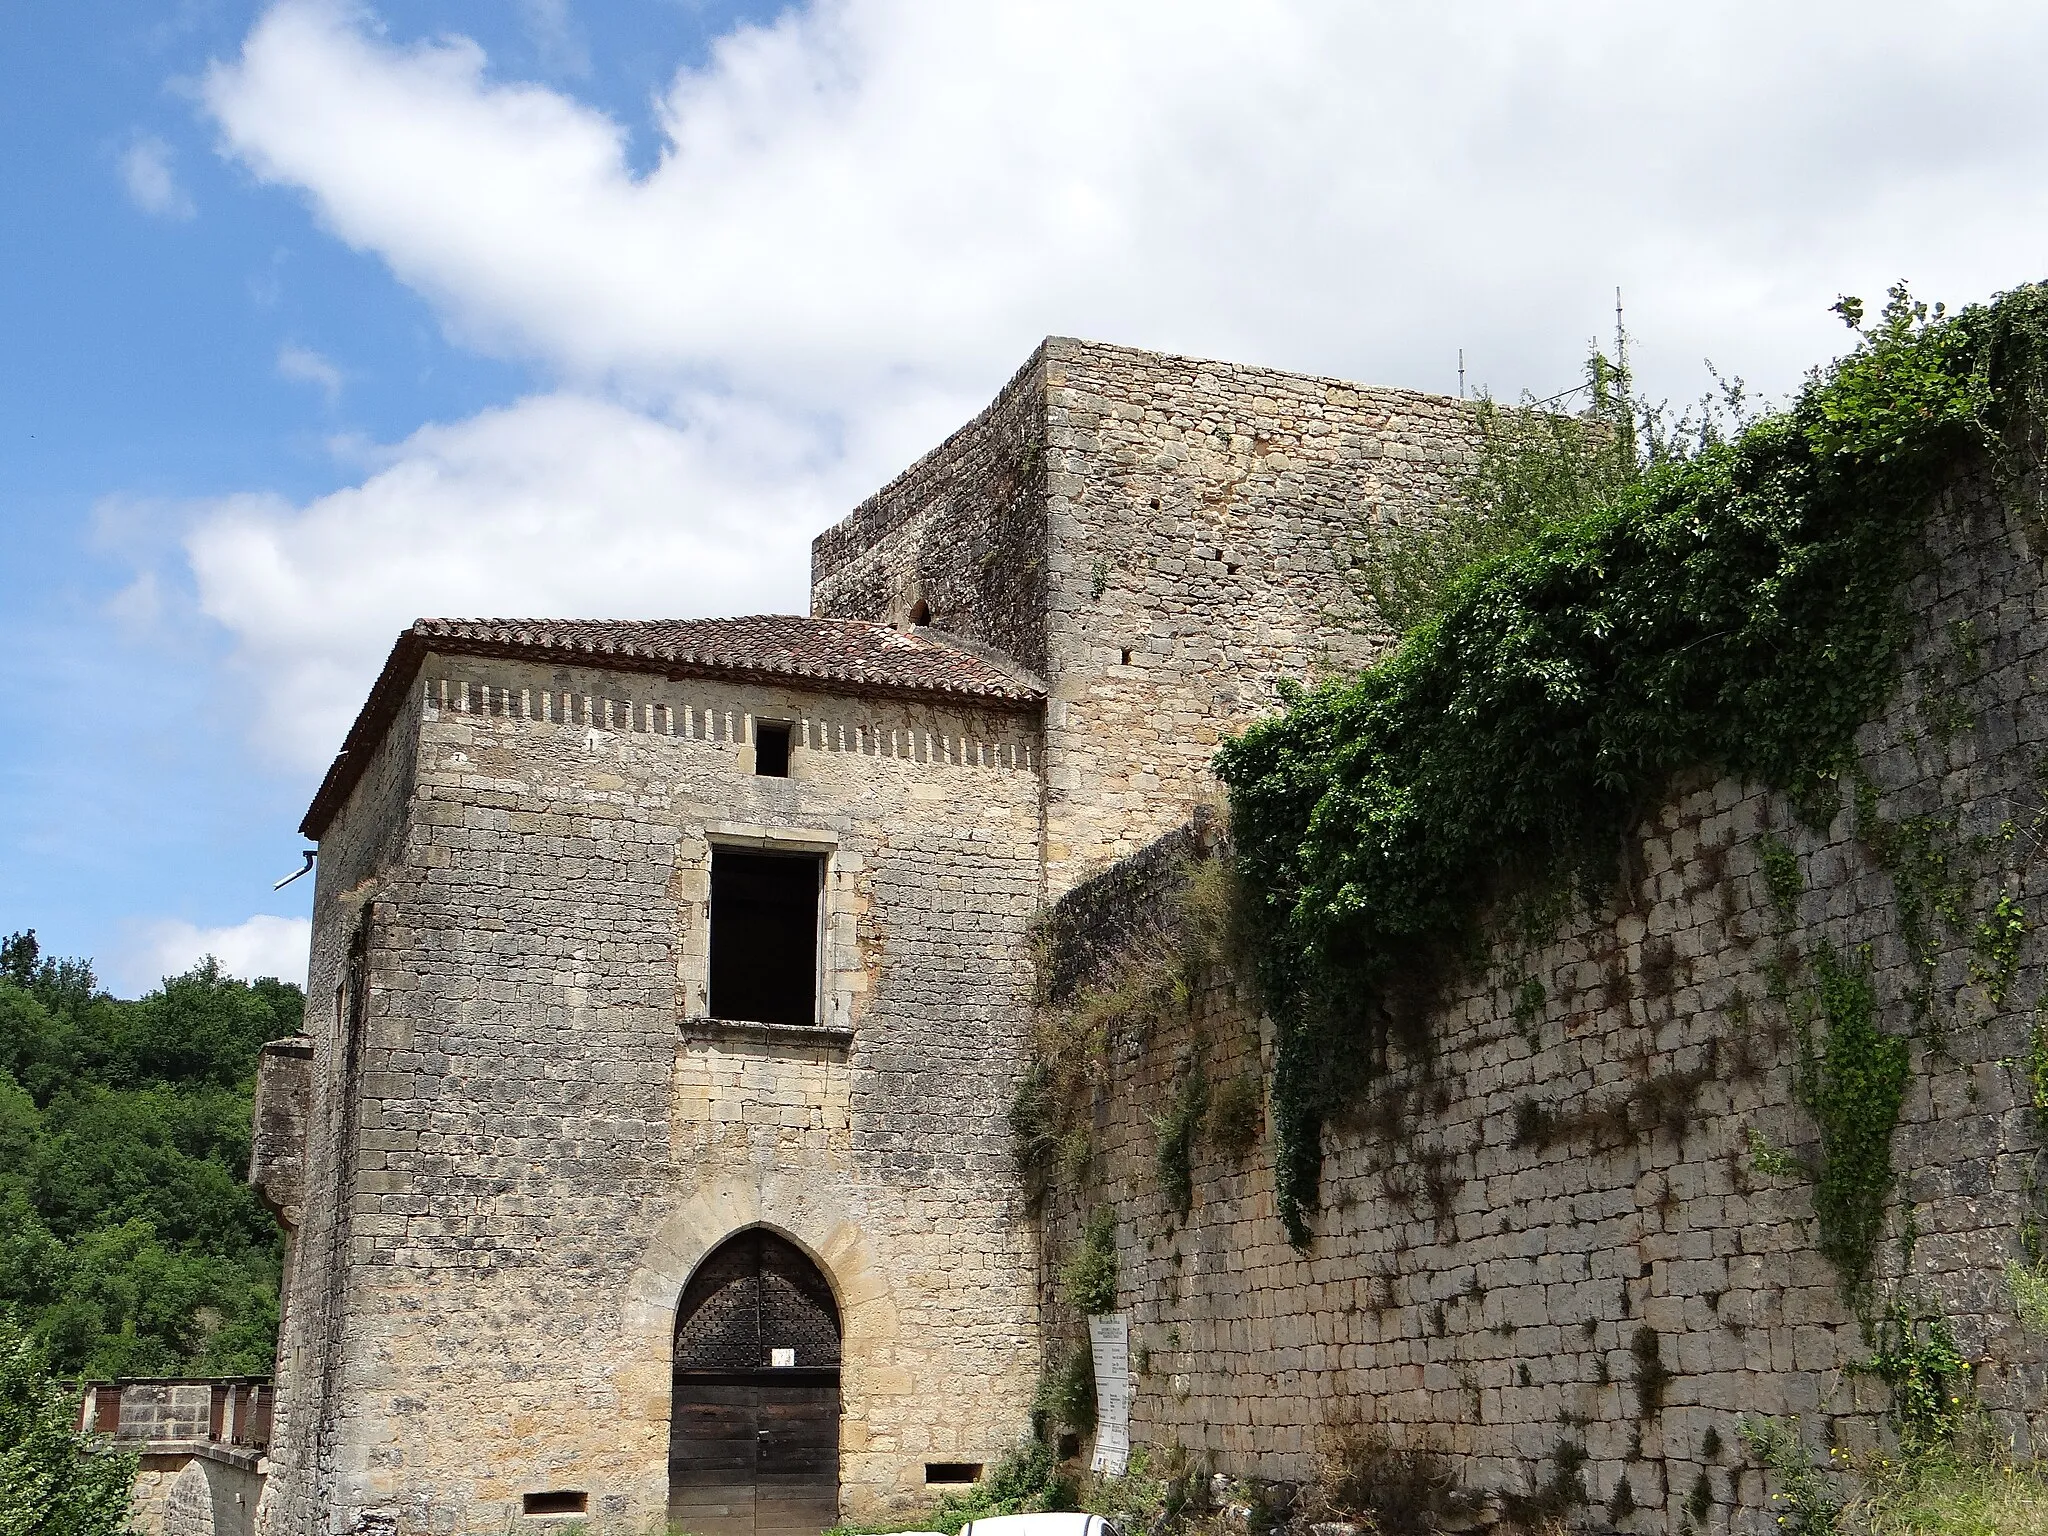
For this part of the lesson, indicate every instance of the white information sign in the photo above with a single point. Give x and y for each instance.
(1109, 1341)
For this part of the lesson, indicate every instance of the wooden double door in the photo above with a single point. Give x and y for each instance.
(754, 1427)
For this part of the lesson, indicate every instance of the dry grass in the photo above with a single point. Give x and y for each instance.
(1365, 1478)
(1985, 1498)
(1154, 982)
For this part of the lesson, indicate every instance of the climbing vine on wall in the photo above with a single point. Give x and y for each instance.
(1738, 609)
(1852, 1080)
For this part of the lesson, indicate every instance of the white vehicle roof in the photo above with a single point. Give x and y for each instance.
(1062, 1523)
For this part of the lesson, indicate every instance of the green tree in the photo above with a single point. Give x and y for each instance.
(53, 1482)
(130, 1243)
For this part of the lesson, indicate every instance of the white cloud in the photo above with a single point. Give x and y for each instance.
(262, 945)
(558, 506)
(152, 184)
(873, 185)
(302, 365)
(866, 214)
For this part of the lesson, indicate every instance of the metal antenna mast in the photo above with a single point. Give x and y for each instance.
(1461, 373)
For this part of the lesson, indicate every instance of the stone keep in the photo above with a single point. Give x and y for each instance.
(521, 1124)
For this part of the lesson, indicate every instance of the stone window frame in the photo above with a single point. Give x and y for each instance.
(838, 957)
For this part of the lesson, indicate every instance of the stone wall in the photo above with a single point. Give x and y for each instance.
(958, 540)
(547, 1134)
(1561, 1199)
(1165, 539)
(284, 1100)
(207, 1491)
(357, 854)
(198, 1445)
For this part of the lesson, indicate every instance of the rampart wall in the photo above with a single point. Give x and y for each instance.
(1545, 1245)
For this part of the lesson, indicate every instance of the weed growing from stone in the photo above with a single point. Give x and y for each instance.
(1154, 978)
(1066, 1397)
(1089, 1275)
(2028, 1286)
(1781, 877)
(1650, 1376)
(1807, 1499)
(1237, 1115)
(1176, 1130)
(1364, 1476)
(1928, 1377)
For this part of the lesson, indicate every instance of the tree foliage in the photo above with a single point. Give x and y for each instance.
(52, 1481)
(1734, 607)
(130, 1243)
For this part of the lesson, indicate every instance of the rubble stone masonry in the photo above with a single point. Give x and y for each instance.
(1164, 539)
(1560, 1199)
(514, 1170)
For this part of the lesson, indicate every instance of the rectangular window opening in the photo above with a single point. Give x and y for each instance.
(771, 748)
(764, 935)
(952, 1471)
(558, 1501)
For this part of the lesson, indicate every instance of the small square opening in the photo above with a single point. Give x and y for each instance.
(558, 1501)
(771, 748)
(952, 1472)
(764, 935)
(1069, 1446)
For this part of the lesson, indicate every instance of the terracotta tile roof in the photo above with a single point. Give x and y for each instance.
(760, 646)
(831, 655)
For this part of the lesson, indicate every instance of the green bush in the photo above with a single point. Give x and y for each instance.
(1237, 1115)
(52, 1481)
(1067, 1395)
(1089, 1275)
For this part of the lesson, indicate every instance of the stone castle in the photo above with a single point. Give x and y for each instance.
(671, 980)
(648, 1155)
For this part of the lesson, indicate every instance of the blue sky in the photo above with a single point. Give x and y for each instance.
(321, 316)
(142, 373)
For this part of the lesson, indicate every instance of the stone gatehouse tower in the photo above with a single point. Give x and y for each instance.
(670, 979)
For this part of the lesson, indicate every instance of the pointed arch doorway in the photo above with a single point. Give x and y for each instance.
(753, 1446)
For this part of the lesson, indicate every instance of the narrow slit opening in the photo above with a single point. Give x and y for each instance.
(558, 1501)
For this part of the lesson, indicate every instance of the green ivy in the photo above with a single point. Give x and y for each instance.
(1781, 877)
(2035, 1065)
(1995, 948)
(1931, 879)
(1852, 1080)
(1738, 610)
